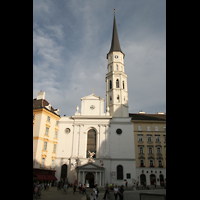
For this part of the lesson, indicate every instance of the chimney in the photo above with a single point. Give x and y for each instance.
(41, 95)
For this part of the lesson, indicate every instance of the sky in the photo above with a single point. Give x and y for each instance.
(71, 39)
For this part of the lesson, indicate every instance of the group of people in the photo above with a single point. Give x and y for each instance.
(117, 191)
(81, 188)
(37, 187)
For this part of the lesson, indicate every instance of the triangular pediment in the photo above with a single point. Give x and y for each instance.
(92, 97)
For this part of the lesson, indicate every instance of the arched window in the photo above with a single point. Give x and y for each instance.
(117, 83)
(123, 84)
(110, 84)
(64, 171)
(91, 142)
(110, 99)
(119, 172)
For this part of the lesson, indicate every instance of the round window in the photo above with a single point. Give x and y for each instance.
(67, 130)
(119, 131)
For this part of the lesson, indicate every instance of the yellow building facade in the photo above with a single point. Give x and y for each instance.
(150, 148)
(45, 134)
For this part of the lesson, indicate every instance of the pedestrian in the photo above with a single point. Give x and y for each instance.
(106, 191)
(84, 189)
(115, 192)
(134, 187)
(97, 189)
(74, 188)
(94, 197)
(121, 191)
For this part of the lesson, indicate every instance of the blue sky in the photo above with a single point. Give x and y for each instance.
(71, 39)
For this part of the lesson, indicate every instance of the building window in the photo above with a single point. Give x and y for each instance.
(151, 163)
(48, 118)
(139, 128)
(117, 83)
(158, 150)
(150, 150)
(141, 163)
(140, 138)
(160, 163)
(157, 138)
(56, 123)
(52, 164)
(164, 128)
(47, 131)
(164, 138)
(110, 68)
(119, 172)
(91, 142)
(128, 176)
(156, 128)
(118, 98)
(56, 134)
(54, 148)
(110, 84)
(148, 128)
(149, 138)
(45, 146)
(110, 99)
(141, 150)
(43, 162)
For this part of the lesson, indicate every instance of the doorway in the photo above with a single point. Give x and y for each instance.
(143, 180)
(90, 179)
(161, 180)
(152, 179)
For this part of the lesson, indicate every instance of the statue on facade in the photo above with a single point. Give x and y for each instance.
(90, 159)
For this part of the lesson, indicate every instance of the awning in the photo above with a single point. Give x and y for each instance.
(41, 177)
(51, 177)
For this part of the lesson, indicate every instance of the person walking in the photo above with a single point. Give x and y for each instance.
(74, 188)
(106, 191)
(134, 187)
(94, 197)
(115, 192)
(84, 189)
(121, 191)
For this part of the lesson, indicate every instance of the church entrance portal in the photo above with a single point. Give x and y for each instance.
(90, 179)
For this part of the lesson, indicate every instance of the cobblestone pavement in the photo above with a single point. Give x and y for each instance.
(55, 194)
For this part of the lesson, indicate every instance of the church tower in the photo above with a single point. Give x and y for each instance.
(116, 79)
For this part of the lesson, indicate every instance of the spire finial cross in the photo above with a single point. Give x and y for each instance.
(114, 10)
(92, 90)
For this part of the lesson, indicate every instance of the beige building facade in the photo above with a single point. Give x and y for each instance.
(45, 133)
(150, 148)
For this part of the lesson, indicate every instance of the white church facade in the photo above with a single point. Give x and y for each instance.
(108, 134)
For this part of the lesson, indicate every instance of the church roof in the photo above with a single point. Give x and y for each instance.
(115, 46)
(155, 117)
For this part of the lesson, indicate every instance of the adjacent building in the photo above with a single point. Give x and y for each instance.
(45, 133)
(150, 147)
